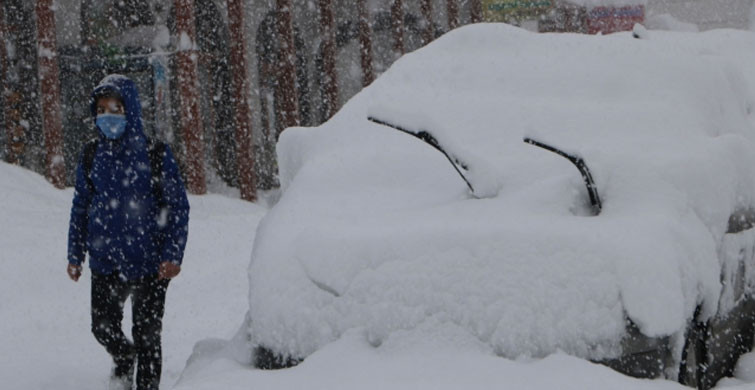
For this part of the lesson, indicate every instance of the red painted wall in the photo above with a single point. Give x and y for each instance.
(606, 19)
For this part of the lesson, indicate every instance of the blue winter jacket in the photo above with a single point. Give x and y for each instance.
(119, 222)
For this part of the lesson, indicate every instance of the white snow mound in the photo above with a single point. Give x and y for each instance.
(375, 229)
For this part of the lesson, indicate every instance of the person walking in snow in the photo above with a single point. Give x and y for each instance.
(130, 213)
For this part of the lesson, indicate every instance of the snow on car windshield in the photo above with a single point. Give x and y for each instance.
(375, 229)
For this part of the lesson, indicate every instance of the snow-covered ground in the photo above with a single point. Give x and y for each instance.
(45, 341)
(45, 338)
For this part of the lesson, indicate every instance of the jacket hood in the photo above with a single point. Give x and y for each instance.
(127, 91)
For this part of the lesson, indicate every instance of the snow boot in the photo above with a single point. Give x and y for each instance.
(122, 376)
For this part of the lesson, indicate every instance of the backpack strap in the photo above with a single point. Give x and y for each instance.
(156, 152)
(90, 148)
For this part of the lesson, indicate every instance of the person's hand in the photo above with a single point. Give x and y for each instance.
(74, 272)
(168, 270)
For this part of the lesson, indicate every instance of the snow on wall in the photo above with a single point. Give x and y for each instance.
(708, 14)
(669, 23)
(375, 230)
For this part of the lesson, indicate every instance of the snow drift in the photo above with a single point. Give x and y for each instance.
(375, 230)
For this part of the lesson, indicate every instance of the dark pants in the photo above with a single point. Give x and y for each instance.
(109, 293)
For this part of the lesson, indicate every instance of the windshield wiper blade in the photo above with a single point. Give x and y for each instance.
(430, 139)
(579, 162)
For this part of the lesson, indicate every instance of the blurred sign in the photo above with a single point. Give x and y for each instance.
(612, 19)
(506, 10)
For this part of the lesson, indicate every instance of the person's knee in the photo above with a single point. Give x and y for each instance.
(147, 334)
(102, 330)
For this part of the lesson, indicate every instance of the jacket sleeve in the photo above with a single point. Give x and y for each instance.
(175, 216)
(77, 229)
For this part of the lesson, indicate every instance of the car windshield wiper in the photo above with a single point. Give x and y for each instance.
(430, 139)
(459, 165)
(579, 162)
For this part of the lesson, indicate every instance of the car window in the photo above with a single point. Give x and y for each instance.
(741, 220)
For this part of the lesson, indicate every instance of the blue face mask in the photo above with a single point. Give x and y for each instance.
(111, 125)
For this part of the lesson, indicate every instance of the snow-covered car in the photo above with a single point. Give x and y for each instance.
(642, 259)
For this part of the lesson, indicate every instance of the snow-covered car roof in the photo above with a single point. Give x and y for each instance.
(375, 230)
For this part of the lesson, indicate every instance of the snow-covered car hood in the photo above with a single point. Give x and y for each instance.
(375, 230)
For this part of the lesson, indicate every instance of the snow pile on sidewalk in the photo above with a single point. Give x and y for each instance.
(352, 363)
(375, 230)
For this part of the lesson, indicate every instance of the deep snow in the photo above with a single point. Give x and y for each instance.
(46, 344)
(45, 339)
(44, 317)
(375, 230)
